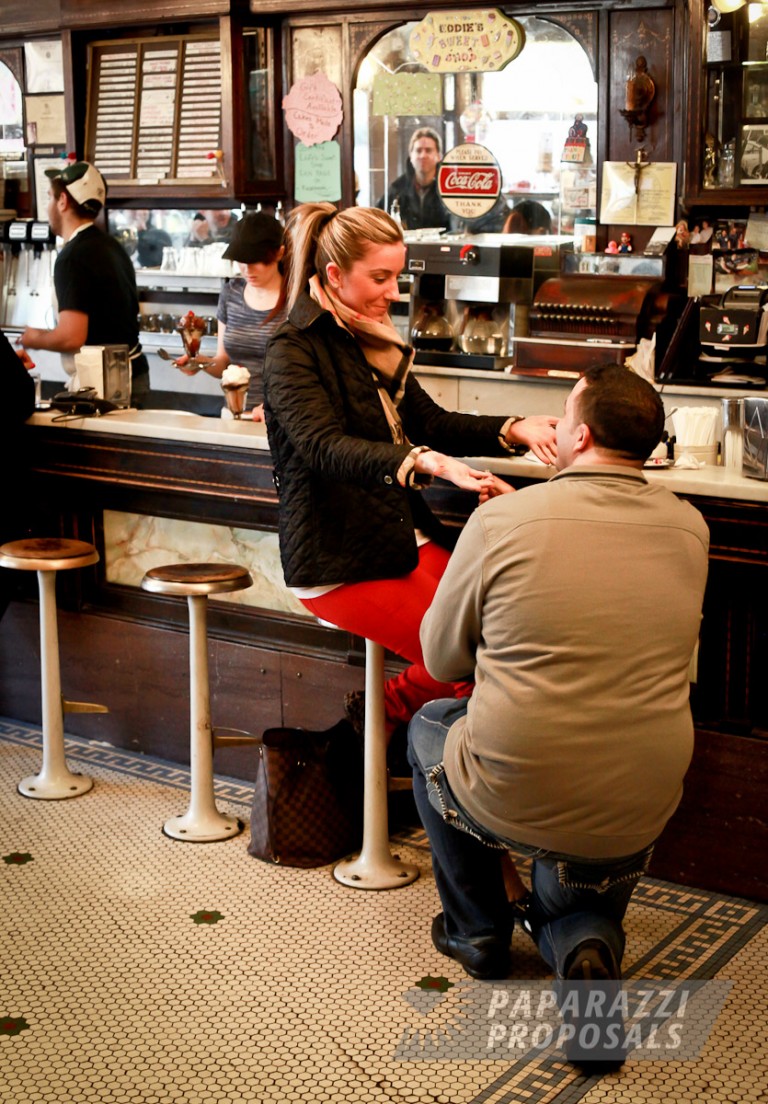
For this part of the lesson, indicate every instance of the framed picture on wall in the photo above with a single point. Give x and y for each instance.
(754, 154)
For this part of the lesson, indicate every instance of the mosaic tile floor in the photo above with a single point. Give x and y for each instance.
(136, 968)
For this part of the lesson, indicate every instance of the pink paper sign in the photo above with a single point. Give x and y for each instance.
(313, 109)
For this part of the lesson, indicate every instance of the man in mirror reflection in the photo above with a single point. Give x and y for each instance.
(414, 195)
(212, 226)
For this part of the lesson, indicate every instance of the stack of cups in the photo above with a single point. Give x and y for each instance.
(733, 433)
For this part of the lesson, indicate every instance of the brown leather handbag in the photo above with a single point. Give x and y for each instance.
(308, 796)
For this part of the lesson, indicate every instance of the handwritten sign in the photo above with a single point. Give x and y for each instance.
(473, 41)
(318, 173)
(313, 109)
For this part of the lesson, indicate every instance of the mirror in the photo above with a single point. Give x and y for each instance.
(153, 238)
(523, 114)
(11, 119)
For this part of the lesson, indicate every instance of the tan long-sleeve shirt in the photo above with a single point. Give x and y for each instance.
(576, 605)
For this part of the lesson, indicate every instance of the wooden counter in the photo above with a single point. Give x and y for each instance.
(153, 487)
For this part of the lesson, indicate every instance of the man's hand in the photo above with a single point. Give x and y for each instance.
(538, 433)
(492, 487)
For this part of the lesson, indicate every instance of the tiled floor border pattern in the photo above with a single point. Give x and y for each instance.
(712, 928)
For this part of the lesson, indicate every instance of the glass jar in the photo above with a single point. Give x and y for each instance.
(482, 335)
(726, 171)
(432, 330)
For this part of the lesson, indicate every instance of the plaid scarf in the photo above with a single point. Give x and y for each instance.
(389, 358)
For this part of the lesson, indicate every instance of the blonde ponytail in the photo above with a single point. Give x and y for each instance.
(317, 234)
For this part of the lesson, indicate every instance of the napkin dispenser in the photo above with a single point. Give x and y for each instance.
(106, 369)
(755, 456)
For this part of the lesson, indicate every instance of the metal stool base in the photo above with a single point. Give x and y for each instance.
(387, 872)
(209, 829)
(64, 785)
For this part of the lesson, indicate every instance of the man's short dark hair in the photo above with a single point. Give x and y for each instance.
(623, 411)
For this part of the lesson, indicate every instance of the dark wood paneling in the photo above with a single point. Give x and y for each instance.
(141, 672)
(313, 690)
(20, 17)
(718, 838)
(116, 13)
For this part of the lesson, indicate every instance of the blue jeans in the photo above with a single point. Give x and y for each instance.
(574, 898)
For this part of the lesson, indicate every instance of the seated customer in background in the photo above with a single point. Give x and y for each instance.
(575, 606)
(528, 217)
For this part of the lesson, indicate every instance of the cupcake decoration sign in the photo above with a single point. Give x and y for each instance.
(478, 41)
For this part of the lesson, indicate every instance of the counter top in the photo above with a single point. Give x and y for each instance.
(710, 481)
(169, 425)
(179, 425)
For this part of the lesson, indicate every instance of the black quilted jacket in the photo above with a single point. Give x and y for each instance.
(343, 516)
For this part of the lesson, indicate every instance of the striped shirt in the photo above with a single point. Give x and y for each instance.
(247, 333)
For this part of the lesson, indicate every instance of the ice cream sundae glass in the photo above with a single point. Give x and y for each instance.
(192, 329)
(234, 383)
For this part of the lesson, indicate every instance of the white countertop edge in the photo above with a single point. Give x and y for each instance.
(177, 425)
(712, 481)
(168, 425)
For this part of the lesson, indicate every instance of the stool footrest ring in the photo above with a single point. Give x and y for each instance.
(82, 707)
(233, 737)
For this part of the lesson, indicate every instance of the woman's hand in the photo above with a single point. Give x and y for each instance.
(492, 487)
(190, 366)
(258, 413)
(447, 467)
(538, 433)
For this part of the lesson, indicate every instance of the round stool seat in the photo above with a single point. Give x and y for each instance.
(196, 579)
(47, 554)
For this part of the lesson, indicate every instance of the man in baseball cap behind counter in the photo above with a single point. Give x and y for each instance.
(97, 301)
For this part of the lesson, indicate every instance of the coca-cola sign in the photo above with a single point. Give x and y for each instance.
(460, 180)
(469, 180)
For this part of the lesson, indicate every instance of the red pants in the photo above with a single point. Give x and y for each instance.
(390, 611)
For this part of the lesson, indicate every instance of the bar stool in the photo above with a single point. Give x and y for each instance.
(202, 822)
(375, 867)
(46, 556)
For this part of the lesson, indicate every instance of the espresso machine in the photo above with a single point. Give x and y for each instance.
(28, 250)
(470, 297)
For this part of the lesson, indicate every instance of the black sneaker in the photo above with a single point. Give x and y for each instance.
(598, 1044)
(485, 957)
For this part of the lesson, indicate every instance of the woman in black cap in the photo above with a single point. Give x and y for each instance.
(251, 306)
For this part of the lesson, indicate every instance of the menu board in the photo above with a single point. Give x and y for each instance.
(154, 110)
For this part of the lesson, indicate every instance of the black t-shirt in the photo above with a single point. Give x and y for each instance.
(94, 275)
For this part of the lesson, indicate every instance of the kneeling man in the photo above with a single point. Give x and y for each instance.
(575, 606)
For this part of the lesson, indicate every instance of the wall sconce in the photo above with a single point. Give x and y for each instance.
(640, 93)
(726, 6)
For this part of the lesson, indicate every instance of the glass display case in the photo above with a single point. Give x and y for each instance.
(730, 153)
